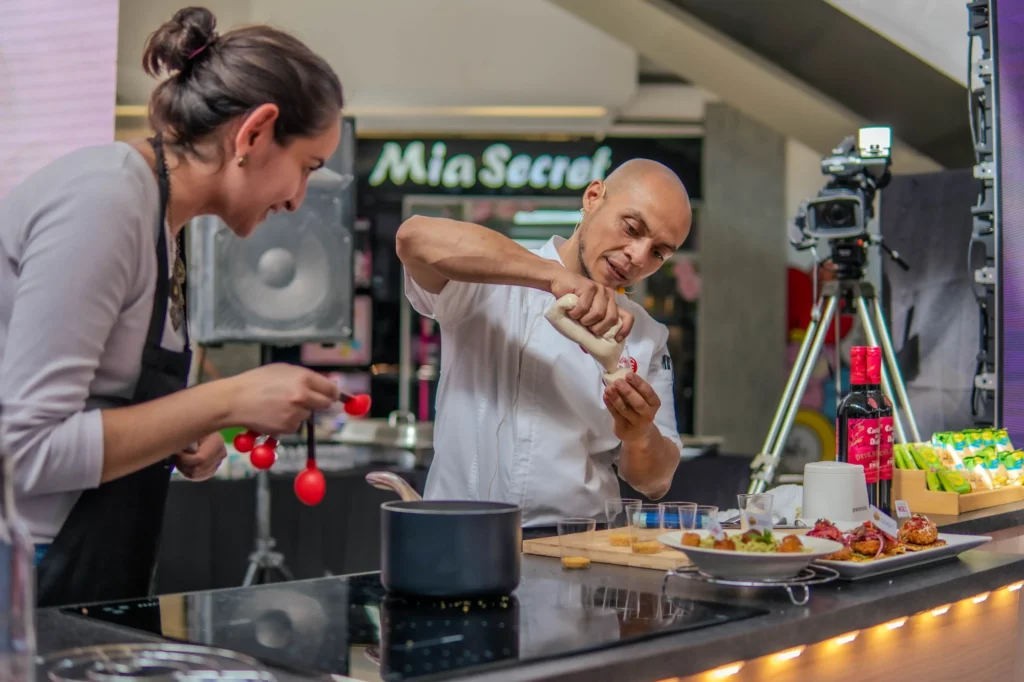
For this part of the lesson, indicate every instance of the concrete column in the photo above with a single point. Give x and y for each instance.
(741, 330)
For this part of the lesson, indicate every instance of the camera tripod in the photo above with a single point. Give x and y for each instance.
(861, 295)
(264, 559)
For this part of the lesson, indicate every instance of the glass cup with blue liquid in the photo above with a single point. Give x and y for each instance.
(706, 515)
(678, 515)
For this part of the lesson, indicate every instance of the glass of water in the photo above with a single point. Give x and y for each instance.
(755, 510)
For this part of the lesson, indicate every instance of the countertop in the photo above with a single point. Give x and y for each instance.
(833, 610)
(982, 521)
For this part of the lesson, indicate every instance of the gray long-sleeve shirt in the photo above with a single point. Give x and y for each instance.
(77, 276)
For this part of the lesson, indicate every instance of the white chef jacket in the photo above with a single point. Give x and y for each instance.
(551, 451)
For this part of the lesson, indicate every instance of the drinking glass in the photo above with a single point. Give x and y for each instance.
(575, 535)
(617, 512)
(754, 507)
(706, 515)
(644, 529)
(678, 515)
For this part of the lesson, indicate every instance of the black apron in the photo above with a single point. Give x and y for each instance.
(107, 548)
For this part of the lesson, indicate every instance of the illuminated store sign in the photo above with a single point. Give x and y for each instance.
(497, 166)
(510, 167)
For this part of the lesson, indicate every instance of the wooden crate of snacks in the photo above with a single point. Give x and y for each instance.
(911, 487)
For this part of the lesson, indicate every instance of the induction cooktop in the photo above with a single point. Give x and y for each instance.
(352, 626)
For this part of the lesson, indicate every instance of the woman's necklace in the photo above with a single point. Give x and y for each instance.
(177, 278)
(177, 281)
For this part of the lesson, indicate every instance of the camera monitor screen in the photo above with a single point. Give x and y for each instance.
(875, 141)
(1008, 49)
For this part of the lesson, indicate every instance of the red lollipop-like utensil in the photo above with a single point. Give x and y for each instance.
(264, 455)
(356, 405)
(246, 441)
(310, 484)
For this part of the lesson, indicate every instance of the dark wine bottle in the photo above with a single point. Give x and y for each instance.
(857, 424)
(885, 430)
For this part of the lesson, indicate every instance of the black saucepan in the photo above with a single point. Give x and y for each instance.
(447, 548)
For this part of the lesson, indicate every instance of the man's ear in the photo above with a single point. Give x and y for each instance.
(593, 195)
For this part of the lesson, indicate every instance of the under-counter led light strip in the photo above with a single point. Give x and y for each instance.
(731, 669)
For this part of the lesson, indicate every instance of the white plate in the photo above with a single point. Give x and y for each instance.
(728, 565)
(955, 545)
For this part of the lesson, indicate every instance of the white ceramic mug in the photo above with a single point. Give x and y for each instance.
(835, 491)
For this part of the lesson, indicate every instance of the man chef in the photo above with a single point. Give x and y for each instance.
(523, 415)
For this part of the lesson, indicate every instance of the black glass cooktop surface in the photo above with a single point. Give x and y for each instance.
(352, 626)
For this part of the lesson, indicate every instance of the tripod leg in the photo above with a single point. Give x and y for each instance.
(250, 573)
(894, 368)
(869, 331)
(805, 374)
(790, 405)
(794, 374)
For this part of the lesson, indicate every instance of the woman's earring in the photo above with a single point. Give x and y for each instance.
(242, 160)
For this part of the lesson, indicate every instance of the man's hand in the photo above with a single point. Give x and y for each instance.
(648, 459)
(596, 310)
(202, 461)
(633, 404)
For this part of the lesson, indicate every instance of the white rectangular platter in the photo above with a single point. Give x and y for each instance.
(955, 545)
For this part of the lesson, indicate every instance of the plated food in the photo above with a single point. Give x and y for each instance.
(751, 541)
(867, 542)
(750, 555)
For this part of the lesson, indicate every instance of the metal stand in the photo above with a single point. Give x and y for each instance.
(799, 585)
(264, 559)
(861, 295)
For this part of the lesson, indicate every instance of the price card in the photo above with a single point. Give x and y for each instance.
(885, 523)
(902, 510)
(716, 530)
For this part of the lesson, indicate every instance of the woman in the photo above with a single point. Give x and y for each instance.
(94, 350)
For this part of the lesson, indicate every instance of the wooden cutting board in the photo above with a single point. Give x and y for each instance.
(598, 549)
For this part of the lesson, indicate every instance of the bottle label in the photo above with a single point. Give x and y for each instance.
(885, 428)
(862, 446)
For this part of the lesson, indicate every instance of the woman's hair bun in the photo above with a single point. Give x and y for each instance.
(170, 47)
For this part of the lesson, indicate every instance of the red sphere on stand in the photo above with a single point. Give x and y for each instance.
(358, 405)
(310, 485)
(263, 456)
(246, 441)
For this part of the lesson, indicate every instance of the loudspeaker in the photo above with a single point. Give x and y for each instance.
(288, 283)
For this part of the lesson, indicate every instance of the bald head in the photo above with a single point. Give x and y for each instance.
(645, 171)
(633, 221)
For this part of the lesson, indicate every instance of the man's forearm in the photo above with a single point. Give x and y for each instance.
(464, 252)
(649, 462)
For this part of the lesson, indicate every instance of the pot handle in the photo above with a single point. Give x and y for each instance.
(386, 480)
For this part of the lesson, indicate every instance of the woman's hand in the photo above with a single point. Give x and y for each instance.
(278, 398)
(201, 462)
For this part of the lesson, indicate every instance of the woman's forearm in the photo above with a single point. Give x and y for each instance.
(137, 436)
(464, 252)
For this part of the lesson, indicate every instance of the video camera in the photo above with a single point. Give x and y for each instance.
(858, 167)
(844, 206)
